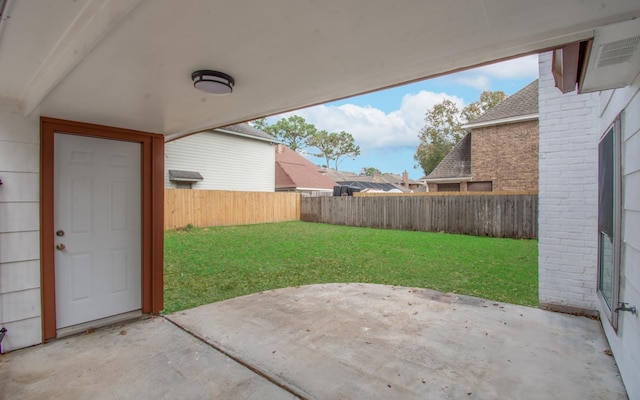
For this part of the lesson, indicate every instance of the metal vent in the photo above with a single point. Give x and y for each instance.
(618, 52)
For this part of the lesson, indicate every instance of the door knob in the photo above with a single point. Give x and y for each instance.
(60, 246)
(60, 233)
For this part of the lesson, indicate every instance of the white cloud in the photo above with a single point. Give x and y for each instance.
(371, 127)
(518, 68)
(480, 82)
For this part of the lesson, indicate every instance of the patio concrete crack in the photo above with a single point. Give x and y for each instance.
(252, 368)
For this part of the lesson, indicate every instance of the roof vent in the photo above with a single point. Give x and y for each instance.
(614, 60)
(618, 52)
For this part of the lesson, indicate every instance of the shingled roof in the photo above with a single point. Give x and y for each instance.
(293, 171)
(457, 163)
(522, 103)
(247, 130)
(344, 176)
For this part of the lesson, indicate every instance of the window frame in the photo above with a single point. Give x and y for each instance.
(471, 184)
(447, 185)
(616, 129)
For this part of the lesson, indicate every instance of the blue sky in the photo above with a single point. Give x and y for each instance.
(385, 124)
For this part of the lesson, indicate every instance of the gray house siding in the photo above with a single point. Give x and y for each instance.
(225, 161)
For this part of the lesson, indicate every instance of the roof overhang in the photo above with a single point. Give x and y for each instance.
(449, 180)
(611, 59)
(503, 121)
(184, 176)
(305, 189)
(228, 132)
(128, 63)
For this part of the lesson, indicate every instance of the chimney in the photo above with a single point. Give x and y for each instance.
(405, 178)
(377, 177)
(279, 148)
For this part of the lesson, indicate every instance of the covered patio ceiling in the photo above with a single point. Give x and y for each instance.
(128, 63)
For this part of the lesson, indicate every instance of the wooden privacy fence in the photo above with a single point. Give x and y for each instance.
(220, 207)
(512, 216)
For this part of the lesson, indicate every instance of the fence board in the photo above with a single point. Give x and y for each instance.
(498, 215)
(204, 208)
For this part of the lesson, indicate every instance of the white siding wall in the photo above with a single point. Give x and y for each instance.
(20, 307)
(568, 201)
(625, 343)
(226, 162)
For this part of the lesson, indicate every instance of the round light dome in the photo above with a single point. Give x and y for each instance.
(213, 82)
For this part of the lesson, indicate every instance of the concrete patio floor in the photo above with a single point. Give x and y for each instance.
(334, 341)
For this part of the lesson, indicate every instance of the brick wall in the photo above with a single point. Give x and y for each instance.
(507, 155)
(568, 191)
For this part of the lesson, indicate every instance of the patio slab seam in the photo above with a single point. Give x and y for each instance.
(240, 361)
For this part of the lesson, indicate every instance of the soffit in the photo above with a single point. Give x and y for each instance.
(284, 54)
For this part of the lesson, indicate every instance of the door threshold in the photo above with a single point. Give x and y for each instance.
(99, 323)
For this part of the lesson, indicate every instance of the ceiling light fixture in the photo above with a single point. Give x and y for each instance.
(213, 82)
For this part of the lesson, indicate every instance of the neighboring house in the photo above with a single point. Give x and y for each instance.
(294, 173)
(236, 157)
(499, 152)
(382, 182)
(404, 181)
(372, 187)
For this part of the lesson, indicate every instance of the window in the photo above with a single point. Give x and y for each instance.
(448, 187)
(609, 208)
(485, 186)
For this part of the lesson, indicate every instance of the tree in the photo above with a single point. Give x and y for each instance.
(443, 128)
(369, 171)
(293, 131)
(488, 99)
(297, 134)
(260, 123)
(334, 146)
(440, 133)
(345, 147)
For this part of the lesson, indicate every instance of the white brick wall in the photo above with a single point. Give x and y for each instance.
(567, 196)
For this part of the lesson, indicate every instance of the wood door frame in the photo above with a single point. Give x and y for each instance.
(152, 212)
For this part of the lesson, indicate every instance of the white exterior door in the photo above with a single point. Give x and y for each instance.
(97, 217)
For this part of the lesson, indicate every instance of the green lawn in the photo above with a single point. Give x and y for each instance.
(213, 264)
